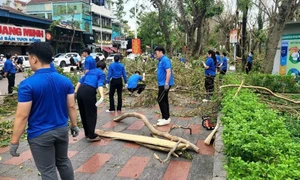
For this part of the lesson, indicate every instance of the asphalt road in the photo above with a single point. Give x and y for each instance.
(4, 83)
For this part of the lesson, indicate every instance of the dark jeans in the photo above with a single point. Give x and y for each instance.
(249, 67)
(86, 98)
(115, 84)
(50, 151)
(163, 101)
(11, 82)
(209, 86)
(140, 88)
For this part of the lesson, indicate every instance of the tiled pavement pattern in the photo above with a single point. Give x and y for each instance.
(120, 160)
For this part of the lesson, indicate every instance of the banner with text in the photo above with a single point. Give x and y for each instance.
(290, 55)
(136, 46)
(10, 33)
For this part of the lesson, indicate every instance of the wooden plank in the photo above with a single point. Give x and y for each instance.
(139, 139)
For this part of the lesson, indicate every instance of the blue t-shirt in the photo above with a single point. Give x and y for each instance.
(211, 71)
(164, 64)
(89, 63)
(9, 67)
(133, 81)
(218, 59)
(94, 78)
(48, 91)
(116, 70)
(250, 58)
(224, 64)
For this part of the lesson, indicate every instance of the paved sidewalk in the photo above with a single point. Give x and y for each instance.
(120, 160)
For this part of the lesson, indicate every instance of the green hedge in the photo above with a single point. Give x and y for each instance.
(276, 83)
(257, 144)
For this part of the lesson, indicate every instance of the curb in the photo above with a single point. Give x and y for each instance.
(219, 173)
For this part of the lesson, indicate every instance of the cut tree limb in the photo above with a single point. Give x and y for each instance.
(181, 127)
(240, 87)
(155, 131)
(262, 88)
(169, 154)
(158, 148)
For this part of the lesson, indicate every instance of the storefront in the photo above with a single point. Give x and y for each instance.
(18, 31)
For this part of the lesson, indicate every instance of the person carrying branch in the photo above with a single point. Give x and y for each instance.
(210, 73)
(133, 83)
(86, 92)
(165, 80)
(45, 101)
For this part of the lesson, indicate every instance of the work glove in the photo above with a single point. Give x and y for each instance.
(75, 131)
(167, 87)
(100, 101)
(13, 149)
(126, 85)
(107, 86)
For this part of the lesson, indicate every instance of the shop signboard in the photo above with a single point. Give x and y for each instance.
(290, 55)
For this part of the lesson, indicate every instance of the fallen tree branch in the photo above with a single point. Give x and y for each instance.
(155, 131)
(181, 127)
(240, 87)
(262, 88)
(169, 154)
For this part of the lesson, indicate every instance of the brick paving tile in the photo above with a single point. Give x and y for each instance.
(94, 163)
(177, 170)
(73, 140)
(137, 125)
(72, 153)
(195, 129)
(103, 142)
(3, 150)
(6, 178)
(19, 160)
(165, 128)
(110, 124)
(134, 167)
(184, 118)
(204, 149)
(131, 145)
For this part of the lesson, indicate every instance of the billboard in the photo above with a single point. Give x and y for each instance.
(234, 36)
(290, 55)
(21, 34)
(116, 33)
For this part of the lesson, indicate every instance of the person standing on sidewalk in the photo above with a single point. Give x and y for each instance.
(10, 73)
(89, 62)
(45, 100)
(249, 62)
(133, 83)
(210, 74)
(86, 92)
(114, 82)
(165, 81)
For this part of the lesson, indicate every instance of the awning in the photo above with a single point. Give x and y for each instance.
(114, 49)
(106, 50)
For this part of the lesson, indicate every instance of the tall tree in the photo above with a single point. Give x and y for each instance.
(279, 14)
(165, 19)
(192, 16)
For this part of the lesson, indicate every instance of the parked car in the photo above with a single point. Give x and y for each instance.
(25, 62)
(132, 56)
(111, 57)
(63, 60)
(56, 56)
(100, 55)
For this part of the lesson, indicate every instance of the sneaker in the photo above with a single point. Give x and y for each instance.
(94, 139)
(164, 122)
(109, 111)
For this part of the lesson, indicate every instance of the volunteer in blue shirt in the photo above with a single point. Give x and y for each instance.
(89, 62)
(249, 62)
(45, 101)
(165, 81)
(223, 65)
(10, 73)
(210, 73)
(133, 83)
(114, 82)
(86, 92)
